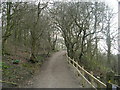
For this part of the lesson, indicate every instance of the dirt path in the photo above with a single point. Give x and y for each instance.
(55, 73)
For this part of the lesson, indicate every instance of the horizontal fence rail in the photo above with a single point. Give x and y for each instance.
(87, 78)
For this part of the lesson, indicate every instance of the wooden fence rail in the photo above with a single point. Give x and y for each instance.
(86, 76)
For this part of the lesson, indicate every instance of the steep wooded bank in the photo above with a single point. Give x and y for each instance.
(26, 25)
(27, 39)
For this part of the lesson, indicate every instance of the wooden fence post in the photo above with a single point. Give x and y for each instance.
(77, 68)
(92, 81)
(109, 86)
(67, 59)
(83, 82)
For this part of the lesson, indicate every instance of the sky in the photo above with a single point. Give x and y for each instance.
(114, 5)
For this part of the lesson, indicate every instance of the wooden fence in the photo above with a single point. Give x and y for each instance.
(88, 80)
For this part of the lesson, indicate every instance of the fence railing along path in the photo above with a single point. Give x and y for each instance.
(88, 80)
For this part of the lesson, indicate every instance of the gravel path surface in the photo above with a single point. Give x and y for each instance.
(55, 73)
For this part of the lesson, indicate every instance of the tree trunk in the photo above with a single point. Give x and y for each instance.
(7, 32)
(32, 56)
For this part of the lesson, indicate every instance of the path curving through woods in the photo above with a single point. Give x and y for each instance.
(55, 73)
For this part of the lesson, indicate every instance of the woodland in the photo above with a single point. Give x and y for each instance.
(32, 31)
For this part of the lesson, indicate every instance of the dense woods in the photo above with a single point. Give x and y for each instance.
(32, 31)
(26, 34)
(26, 27)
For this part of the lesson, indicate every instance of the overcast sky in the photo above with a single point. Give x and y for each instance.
(114, 5)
